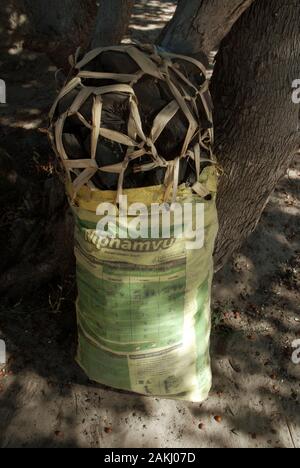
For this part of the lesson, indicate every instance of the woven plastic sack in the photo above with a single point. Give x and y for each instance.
(143, 305)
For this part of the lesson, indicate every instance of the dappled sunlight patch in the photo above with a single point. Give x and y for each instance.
(149, 17)
(29, 124)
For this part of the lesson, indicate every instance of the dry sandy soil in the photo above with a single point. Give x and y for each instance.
(46, 401)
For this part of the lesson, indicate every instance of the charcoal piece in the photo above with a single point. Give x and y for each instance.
(133, 179)
(73, 146)
(74, 126)
(147, 91)
(69, 126)
(115, 112)
(85, 110)
(171, 140)
(66, 102)
(183, 167)
(97, 82)
(113, 121)
(105, 181)
(108, 153)
(150, 102)
(165, 92)
(156, 176)
(115, 99)
(148, 113)
(191, 72)
(82, 134)
(113, 62)
(117, 62)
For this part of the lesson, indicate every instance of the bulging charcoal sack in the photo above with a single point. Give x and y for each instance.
(136, 120)
(131, 116)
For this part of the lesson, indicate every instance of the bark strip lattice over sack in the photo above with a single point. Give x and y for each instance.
(162, 66)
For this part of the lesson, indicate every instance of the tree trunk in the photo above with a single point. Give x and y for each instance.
(58, 27)
(257, 124)
(200, 25)
(112, 22)
(256, 121)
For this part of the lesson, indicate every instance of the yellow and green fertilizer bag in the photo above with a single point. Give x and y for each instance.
(143, 306)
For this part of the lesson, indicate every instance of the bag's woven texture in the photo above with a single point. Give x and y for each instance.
(187, 98)
(143, 307)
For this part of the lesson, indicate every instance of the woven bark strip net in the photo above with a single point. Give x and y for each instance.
(141, 152)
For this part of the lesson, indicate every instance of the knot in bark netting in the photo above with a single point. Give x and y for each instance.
(133, 116)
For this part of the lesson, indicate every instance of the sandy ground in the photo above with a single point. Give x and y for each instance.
(46, 401)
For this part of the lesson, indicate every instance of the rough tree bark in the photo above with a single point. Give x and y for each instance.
(200, 25)
(39, 235)
(112, 22)
(256, 121)
(257, 124)
(58, 27)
